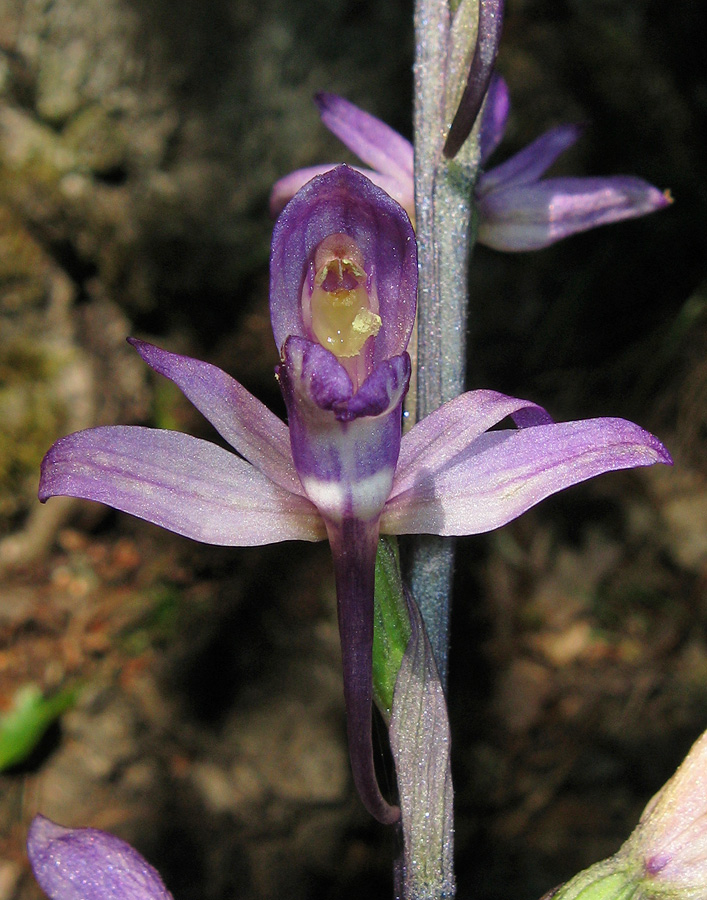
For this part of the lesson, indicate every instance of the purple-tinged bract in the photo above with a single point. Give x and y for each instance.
(480, 72)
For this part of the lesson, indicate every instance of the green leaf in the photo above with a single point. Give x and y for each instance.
(25, 723)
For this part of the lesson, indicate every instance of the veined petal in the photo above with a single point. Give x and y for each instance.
(437, 440)
(87, 864)
(530, 163)
(494, 117)
(239, 417)
(376, 143)
(343, 201)
(534, 216)
(504, 473)
(180, 482)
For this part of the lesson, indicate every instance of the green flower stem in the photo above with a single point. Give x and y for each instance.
(444, 216)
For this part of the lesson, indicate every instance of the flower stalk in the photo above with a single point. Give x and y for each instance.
(445, 232)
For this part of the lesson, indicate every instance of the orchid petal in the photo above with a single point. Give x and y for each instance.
(343, 201)
(240, 418)
(530, 163)
(376, 143)
(504, 473)
(87, 864)
(180, 482)
(534, 216)
(480, 71)
(437, 440)
(494, 117)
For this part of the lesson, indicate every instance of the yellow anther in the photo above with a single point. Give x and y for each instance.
(342, 319)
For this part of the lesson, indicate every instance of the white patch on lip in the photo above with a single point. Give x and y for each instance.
(366, 496)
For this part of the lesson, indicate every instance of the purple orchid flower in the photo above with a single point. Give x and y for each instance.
(87, 864)
(518, 209)
(343, 281)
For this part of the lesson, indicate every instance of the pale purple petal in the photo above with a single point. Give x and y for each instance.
(87, 864)
(180, 482)
(534, 216)
(285, 189)
(494, 117)
(343, 201)
(437, 440)
(240, 418)
(504, 473)
(374, 142)
(480, 71)
(530, 163)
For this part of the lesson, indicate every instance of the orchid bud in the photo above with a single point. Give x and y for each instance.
(666, 856)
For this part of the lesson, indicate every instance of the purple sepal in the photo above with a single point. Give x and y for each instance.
(87, 864)
(185, 484)
(345, 445)
(376, 143)
(501, 474)
(343, 201)
(529, 164)
(533, 216)
(480, 71)
(241, 419)
(443, 436)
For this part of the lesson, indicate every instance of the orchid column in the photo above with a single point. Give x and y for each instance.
(456, 46)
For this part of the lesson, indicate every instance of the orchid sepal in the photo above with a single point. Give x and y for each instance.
(182, 483)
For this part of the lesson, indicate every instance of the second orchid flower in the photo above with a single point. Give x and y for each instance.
(518, 208)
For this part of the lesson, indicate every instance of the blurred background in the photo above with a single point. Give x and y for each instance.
(189, 698)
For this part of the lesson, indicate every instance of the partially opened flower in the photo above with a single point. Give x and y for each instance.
(518, 208)
(87, 864)
(343, 284)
